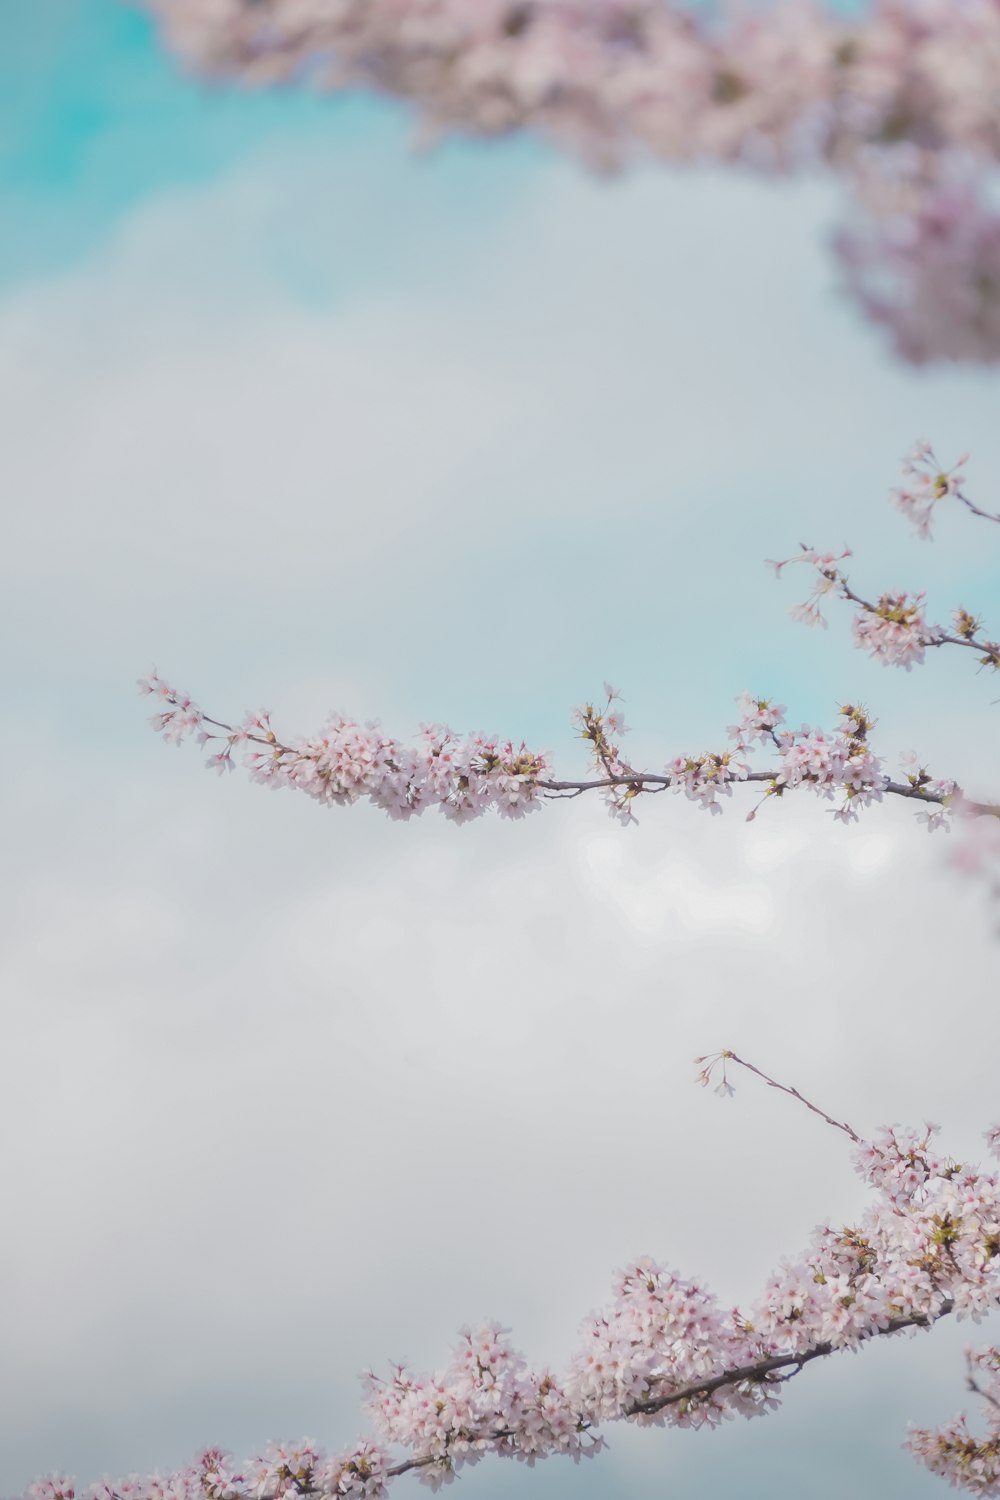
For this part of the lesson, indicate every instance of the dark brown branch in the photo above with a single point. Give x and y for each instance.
(984, 515)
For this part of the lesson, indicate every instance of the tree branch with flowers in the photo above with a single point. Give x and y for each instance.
(466, 776)
(663, 1352)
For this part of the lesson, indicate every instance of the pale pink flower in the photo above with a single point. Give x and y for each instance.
(895, 631)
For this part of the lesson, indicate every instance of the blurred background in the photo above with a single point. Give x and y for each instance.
(309, 418)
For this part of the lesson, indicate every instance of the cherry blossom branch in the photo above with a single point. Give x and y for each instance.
(928, 483)
(347, 762)
(896, 610)
(757, 1374)
(649, 781)
(984, 515)
(895, 630)
(979, 1390)
(298, 1470)
(663, 1351)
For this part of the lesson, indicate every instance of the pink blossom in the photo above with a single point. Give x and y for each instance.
(828, 582)
(922, 258)
(758, 722)
(928, 483)
(895, 630)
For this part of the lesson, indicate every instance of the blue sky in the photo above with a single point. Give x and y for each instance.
(305, 418)
(95, 118)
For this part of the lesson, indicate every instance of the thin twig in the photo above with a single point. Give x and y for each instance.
(984, 515)
(785, 1088)
(971, 1384)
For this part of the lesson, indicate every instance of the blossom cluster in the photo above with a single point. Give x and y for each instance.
(928, 482)
(599, 727)
(829, 581)
(758, 722)
(953, 1451)
(920, 255)
(283, 1469)
(945, 799)
(832, 763)
(895, 631)
(902, 102)
(662, 1351)
(347, 761)
(779, 86)
(701, 778)
(487, 1399)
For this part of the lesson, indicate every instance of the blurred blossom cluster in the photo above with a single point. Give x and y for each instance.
(902, 103)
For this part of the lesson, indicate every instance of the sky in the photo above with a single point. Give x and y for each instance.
(306, 417)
